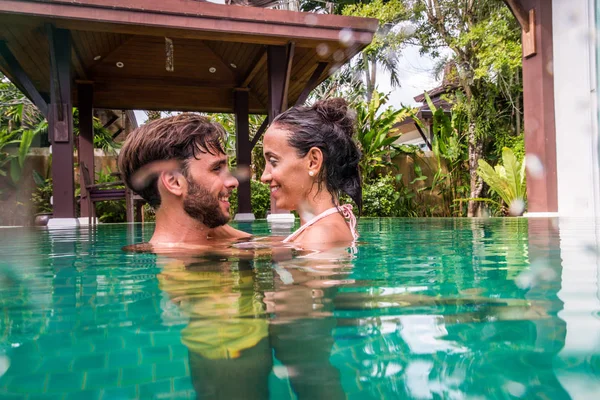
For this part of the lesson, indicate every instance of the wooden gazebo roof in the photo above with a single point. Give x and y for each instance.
(121, 46)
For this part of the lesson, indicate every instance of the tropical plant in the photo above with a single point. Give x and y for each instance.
(506, 180)
(377, 132)
(385, 47)
(260, 199)
(42, 193)
(484, 42)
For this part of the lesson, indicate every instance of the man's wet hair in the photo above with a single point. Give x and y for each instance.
(180, 137)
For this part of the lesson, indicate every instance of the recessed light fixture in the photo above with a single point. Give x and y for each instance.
(97, 58)
(233, 65)
(120, 64)
(212, 70)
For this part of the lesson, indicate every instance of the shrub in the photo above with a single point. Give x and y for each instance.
(260, 199)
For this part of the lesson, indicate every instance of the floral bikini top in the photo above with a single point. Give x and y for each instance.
(346, 211)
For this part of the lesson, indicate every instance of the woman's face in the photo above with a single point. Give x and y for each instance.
(285, 172)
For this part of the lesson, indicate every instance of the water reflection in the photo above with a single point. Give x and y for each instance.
(488, 309)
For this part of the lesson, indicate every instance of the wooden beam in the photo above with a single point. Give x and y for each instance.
(60, 130)
(424, 136)
(276, 63)
(23, 80)
(288, 72)
(111, 121)
(196, 17)
(312, 83)
(260, 131)
(539, 114)
(519, 12)
(526, 20)
(56, 92)
(256, 66)
(85, 95)
(243, 147)
(117, 133)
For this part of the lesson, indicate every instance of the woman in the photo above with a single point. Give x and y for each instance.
(311, 159)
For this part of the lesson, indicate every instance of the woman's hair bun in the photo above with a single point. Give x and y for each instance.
(336, 111)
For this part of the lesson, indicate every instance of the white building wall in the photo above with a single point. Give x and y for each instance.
(575, 76)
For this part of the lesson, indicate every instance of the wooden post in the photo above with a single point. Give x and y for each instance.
(277, 68)
(60, 123)
(276, 65)
(538, 104)
(243, 148)
(85, 92)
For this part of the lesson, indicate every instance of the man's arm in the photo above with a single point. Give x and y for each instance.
(227, 232)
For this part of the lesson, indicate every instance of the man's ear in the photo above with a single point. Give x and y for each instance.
(173, 182)
(315, 160)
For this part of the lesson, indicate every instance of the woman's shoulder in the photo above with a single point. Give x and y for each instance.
(333, 229)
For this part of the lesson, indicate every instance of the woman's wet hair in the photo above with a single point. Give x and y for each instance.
(330, 126)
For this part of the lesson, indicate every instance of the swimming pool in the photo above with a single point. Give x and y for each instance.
(425, 309)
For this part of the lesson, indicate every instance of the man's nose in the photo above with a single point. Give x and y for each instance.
(231, 181)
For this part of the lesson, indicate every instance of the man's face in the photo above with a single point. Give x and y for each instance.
(209, 186)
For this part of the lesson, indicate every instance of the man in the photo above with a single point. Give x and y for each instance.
(179, 166)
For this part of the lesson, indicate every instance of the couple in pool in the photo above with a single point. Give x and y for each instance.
(179, 166)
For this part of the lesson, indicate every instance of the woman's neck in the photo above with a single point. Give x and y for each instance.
(314, 205)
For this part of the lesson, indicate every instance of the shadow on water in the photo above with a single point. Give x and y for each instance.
(424, 309)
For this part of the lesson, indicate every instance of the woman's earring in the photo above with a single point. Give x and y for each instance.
(311, 173)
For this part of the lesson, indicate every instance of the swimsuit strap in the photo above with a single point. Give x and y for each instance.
(346, 211)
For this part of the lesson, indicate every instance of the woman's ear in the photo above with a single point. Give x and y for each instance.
(315, 160)
(173, 182)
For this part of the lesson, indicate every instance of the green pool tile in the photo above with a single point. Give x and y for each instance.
(65, 382)
(33, 383)
(137, 375)
(155, 390)
(108, 344)
(155, 354)
(85, 395)
(101, 379)
(133, 340)
(178, 352)
(123, 358)
(12, 396)
(171, 369)
(182, 384)
(90, 361)
(56, 364)
(166, 338)
(53, 343)
(124, 393)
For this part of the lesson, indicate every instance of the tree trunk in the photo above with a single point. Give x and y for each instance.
(475, 153)
(368, 79)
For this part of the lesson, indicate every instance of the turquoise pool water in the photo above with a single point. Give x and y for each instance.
(425, 309)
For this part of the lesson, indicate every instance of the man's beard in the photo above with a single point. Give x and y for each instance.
(201, 205)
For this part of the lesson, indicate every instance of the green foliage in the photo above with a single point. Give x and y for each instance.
(110, 211)
(376, 134)
(42, 194)
(380, 198)
(260, 199)
(507, 180)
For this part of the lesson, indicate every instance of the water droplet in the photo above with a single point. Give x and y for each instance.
(517, 207)
(515, 388)
(534, 166)
(346, 37)
(550, 67)
(338, 55)
(323, 50)
(311, 19)
(4, 364)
